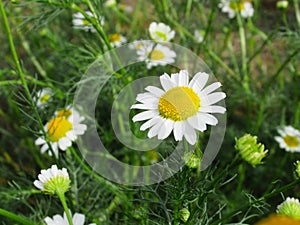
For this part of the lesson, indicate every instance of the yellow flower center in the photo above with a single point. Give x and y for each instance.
(239, 6)
(85, 22)
(157, 55)
(161, 34)
(179, 103)
(114, 37)
(58, 127)
(291, 141)
(64, 113)
(45, 98)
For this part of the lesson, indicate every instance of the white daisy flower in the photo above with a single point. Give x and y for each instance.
(81, 23)
(290, 207)
(232, 6)
(42, 97)
(289, 139)
(161, 32)
(110, 3)
(125, 8)
(199, 35)
(62, 129)
(116, 40)
(53, 180)
(181, 106)
(77, 219)
(138, 44)
(156, 55)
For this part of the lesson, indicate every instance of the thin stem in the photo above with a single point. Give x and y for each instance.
(62, 198)
(15, 217)
(21, 74)
(297, 11)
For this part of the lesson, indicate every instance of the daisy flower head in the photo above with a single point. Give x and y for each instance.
(278, 220)
(116, 40)
(155, 55)
(81, 23)
(110, 3)
(244, 7)
(62, 130)
(77, 219)
(180, 106)
(289, 139)
(199, 35)
(138, 44)
(290, 207)
(161, 32)
(53, 180)
(42, 97)
(125, 8)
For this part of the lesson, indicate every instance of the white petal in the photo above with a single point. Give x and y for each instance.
(44, 148)
(215, 97)
(79, 129)
(154, 130)
(144, 116)
(183, 78)
(166, 82)
(198, 81)
(165, 129)
(197, 123)
(40, 141)
(212, 109)
(64, 143)
(144, 106)
(207, 118)
(38, 184)
(190, 134)
(155, 91)
(212, 87)
(78, 219)
(151, 123)
(178, 130)
(71, 135)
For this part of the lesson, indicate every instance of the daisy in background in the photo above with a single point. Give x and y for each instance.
(244, 7)
(110, 3)
(116, 40)
(125, 8)
(155, 55)
(42, 97)
(81, 23)
(161, 32)
(62, 130)
(199, 35)
(290, 207)
(77, 219)
(289, 139)
(139, 44)
(53, 180)
(181, 106)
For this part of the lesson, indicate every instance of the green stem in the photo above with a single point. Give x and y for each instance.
(21, 74)
(15, 217)
(62, 198)
(297, 11)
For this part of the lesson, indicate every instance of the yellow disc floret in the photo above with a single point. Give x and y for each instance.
(157, 55)
(58, 128)
(179, 103)
(239, 6)
(114, 38)
(291, 141)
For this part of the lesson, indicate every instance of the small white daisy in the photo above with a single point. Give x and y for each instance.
(289, 139)
(125, 8)
(156, 55)
(116, 40)
(161, 32)
(199, 35)
(77, 219)
(42, 97)
(62, 129)
(181, 106)
(232, 6)
(81, 23)
(290, 207)
(110, 3)
(136, 45)
(53, 180)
